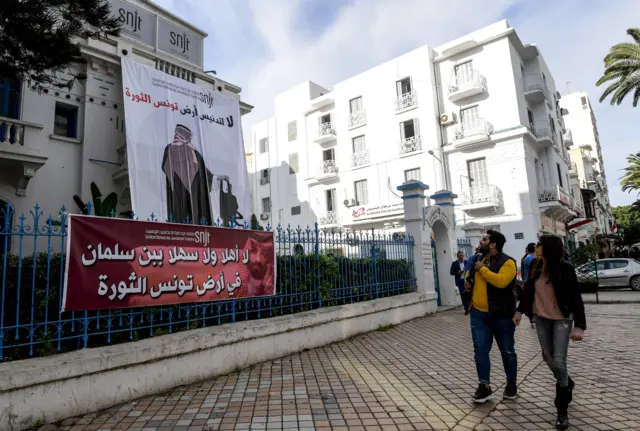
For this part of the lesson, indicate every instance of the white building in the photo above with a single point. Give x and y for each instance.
(587, 164)
(478, 116)
(55, 142)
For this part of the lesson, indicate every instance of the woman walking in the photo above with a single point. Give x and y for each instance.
(553, 297)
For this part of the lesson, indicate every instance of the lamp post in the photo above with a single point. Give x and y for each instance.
(441, 164)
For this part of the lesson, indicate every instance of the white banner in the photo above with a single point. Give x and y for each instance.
(184, 147)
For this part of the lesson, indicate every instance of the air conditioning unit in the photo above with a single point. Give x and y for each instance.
(447, 118)
(350, 203)
(264, 216)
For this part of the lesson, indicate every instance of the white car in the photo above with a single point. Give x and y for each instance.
(614, 272)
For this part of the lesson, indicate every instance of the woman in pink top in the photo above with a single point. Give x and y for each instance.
(553, 297)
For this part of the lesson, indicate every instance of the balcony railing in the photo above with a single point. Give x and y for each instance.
(478, 126)
(482, 194)
(330, 218)
(329, 167)
(467, 84)
(554, 194)
(542, 130)
(360, 158)
(410, 145)
(325, 130)
(12, 132)
(535, 84)
(406, 101)
(357, 119)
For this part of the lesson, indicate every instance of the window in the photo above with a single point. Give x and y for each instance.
(264, 176)
(361, 192)
(469, 118)
(325, 118)
(330, 198)
(412, 174)
(552, 123)
(9, 99)
(559, 174)
(583, 99)
(296, 210)
(530, 116)
(359, 145)
(404, 86)
(409, 129)
(292, 131)
(477, 173)
(266, 205)
(293, 163)
(463, 72)
(355, 105)
(66, 120)
(328, 155)
(264, 145)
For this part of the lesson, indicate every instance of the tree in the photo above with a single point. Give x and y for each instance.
(100, 207)
(631, 178)
(38, 37)
(254, 223)
(628, 220)
(622, 65)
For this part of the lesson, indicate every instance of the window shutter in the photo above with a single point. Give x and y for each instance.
(365, 193)
(292, 131)
(416, 127)
(402, 135)
(293, 163)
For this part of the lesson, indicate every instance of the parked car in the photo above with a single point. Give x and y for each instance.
(610, 273)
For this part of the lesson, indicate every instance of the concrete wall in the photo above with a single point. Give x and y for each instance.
(44, 390)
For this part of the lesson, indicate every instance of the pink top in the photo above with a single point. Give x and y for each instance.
(545, 304)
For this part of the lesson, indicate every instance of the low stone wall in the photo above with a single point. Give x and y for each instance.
(45, 390)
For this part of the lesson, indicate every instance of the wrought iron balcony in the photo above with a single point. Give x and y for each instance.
(467, 84)
(331, 218)
(480, 197)
(328, 172)
(554, 195)
(326, 133)
(543, 133)
(406, 101)
(360, 158)
(473, 132)
(411, 145)
(357, 119)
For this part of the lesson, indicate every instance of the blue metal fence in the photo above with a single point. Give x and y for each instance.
(464, 245)
(314, 269)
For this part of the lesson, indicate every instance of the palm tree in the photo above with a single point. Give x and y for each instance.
(622, 65)
(631, 178)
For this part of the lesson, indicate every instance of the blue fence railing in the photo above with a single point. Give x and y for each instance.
(464, 245)
(314, 269)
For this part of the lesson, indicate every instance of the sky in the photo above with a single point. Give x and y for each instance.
(269, 46)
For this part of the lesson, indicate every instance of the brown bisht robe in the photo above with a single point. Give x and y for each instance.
(188, 180)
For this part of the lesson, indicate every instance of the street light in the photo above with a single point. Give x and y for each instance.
(441, 164)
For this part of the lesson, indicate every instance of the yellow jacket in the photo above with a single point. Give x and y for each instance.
(501, 279)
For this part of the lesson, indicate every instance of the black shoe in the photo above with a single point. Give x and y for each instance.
(562, 423)
(483, 394)
(511, 391)
(572, 385)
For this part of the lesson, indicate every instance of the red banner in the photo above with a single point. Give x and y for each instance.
(118, 263)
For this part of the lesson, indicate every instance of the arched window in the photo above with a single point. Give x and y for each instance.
(6, 219)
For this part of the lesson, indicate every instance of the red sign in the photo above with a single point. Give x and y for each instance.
(357, 213)
(118, 263)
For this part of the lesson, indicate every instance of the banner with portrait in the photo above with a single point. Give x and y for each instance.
(186, 158)
(120, 263)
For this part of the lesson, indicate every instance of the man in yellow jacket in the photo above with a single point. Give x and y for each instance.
(492, 282)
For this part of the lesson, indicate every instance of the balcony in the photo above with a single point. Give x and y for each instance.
(485, 197)
(357, 119)
(573, 170)
(411, 145)
(556, 202)
(329, 220)
(328, 172)
(535, 89)
(406, 102)
(360, 158)
(326, 135)
(467, 85)
(567, 137)
(22, 147)
(122, 172)
(543, 133)
(473, 132)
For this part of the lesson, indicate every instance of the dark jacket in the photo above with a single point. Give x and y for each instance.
(566, 290)
(502, 302)
(455, 267)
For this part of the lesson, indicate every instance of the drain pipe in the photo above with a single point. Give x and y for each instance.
(443, 159)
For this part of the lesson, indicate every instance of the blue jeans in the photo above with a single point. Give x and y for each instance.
(460, 285)
(554, 336)
(483, 329)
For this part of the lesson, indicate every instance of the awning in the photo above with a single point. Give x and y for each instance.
(576, 223)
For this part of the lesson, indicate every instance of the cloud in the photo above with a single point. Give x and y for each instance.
(267, 47)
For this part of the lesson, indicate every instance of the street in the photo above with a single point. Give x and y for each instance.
(418, 375)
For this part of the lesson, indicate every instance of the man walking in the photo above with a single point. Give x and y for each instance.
(526, 262)
(457, 270)
(491, 281)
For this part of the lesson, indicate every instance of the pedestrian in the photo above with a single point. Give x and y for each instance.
(491, 282)
(554, 298)
(457, 270)
(528, 260)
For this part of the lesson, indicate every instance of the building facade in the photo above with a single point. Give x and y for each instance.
(587, 166)
(478, 117)
(55, 142)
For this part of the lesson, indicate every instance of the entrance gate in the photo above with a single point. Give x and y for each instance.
(434, 255)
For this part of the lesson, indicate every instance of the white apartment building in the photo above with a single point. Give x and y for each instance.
(54, 142)
(478, 117)
(588, 164)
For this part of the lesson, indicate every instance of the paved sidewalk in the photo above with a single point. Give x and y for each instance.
(419, 375)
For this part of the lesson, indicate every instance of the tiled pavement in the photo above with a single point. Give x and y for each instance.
(418, 375)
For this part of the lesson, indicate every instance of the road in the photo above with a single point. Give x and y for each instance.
(418, 375)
